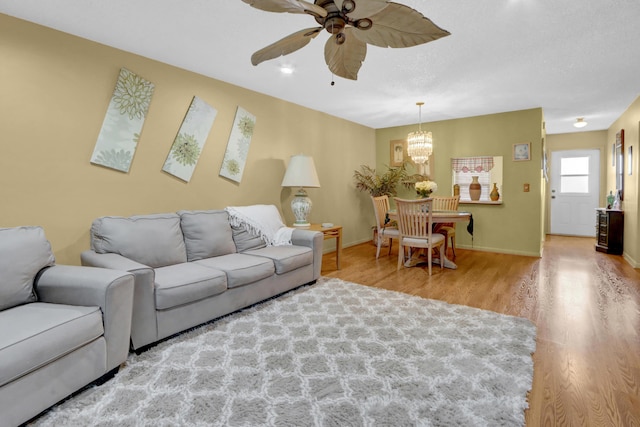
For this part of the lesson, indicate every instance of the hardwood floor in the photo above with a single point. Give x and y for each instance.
(585, 304)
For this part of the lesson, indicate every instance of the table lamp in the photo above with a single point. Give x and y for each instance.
(301, 172)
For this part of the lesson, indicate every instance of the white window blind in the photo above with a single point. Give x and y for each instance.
(464, 179)
(487, 169)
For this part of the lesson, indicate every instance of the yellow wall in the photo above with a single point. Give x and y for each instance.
(543, 185)
(630, 122)
(516, 225)
(55, 92)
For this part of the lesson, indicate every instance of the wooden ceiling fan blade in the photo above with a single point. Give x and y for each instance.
(285, 46)
(400, 26)
(344, 54)
(364, 8)
(290, 6)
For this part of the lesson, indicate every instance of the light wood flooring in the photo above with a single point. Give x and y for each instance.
(585, 304)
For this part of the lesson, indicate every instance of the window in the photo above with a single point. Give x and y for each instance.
(487, 169)
(574, 175)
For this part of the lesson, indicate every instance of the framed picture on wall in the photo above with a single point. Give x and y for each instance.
(522, 151)
(398, 152)
(620, 163)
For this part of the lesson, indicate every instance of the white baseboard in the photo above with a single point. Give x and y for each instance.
(499, 251)
(631, 261)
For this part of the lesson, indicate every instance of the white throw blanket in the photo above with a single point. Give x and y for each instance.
(263, 220)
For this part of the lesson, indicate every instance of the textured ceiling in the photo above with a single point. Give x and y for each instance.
(573, 58)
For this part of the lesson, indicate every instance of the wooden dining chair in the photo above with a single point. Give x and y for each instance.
(384, 229)
(448, 229)
(415, 222)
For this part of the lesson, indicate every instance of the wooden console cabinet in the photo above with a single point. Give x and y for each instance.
(609, 231)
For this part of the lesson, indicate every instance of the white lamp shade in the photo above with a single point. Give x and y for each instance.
(301, 172)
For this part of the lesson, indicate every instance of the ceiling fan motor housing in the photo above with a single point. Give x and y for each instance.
(336, 20)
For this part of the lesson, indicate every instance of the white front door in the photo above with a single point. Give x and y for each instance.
(575, 189)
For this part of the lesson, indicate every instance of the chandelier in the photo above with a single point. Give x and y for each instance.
(420, 143)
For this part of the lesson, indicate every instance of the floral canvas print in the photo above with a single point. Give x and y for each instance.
(123, 122)
(238, 146)
(193, 134)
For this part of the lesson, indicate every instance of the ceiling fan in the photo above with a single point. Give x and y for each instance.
(352, 24)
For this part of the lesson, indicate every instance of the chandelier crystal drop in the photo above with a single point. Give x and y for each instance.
(420, 143)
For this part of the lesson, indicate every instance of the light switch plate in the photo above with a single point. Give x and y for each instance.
(526, 188)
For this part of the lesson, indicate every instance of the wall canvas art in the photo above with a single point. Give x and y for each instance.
(193, 133)
(235, 156)
(123, 122)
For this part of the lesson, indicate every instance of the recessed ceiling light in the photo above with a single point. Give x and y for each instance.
(580, 123)
(285, 69)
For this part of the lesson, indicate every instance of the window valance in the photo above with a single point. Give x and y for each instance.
(472, 164)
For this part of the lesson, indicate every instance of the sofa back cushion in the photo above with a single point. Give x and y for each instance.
(153, 240)
(246, 239)
(24, 251)
(206, 234)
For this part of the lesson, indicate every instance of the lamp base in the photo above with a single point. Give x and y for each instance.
(301, 207)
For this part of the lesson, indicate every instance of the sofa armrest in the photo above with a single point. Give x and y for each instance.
(144, 328)
(313, 240)
(110, 290)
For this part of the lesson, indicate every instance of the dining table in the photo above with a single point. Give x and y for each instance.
(438, 217)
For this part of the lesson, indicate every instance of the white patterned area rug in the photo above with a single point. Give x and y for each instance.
(331, 354)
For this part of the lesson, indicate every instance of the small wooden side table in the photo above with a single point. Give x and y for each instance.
(334, 232)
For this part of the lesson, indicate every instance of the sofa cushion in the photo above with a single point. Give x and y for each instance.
(241, 269)
(285, 258)
(246, 240)
(185, 283)
(206, 234)
(45, 333)
(24, 251)
(153, 240)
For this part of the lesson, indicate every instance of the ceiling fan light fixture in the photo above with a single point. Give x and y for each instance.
(580, 123)
(420, 143)
(348, 6)
(286, 69)
(363, 24)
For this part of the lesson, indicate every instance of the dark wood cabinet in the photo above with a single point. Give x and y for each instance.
(609, 231)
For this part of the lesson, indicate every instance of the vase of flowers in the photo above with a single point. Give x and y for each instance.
(425, 188)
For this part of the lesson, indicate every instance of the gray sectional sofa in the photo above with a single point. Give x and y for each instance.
(192, 266)
(61, 327)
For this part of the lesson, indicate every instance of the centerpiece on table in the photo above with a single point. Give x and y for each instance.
(425, 188)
